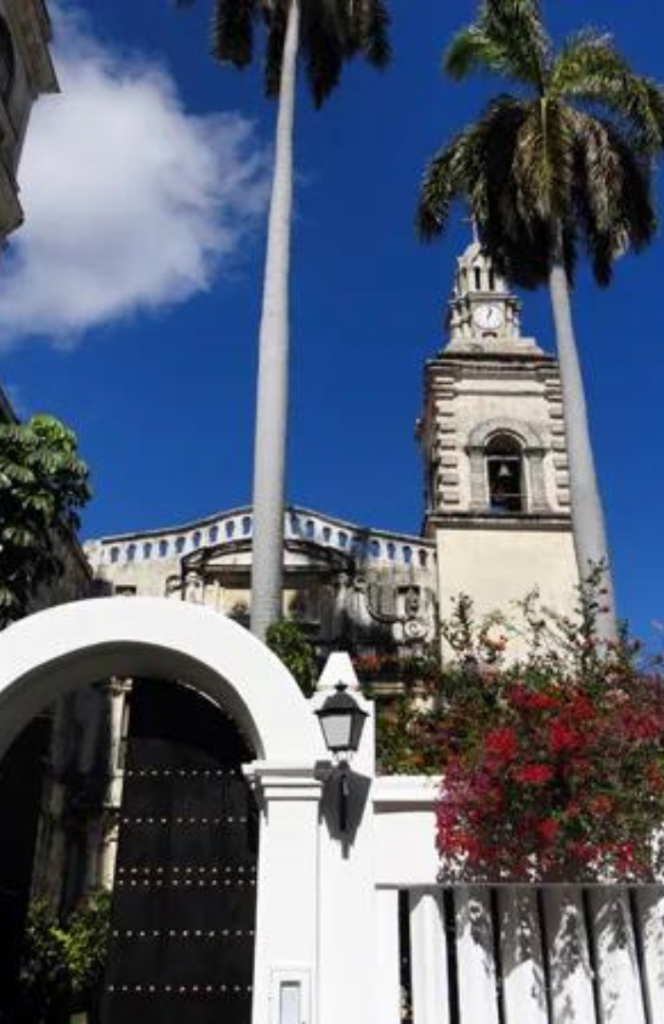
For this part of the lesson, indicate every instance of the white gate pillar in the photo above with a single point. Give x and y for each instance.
(347, 982)
(286, 946)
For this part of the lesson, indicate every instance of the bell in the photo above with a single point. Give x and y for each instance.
(504, 471)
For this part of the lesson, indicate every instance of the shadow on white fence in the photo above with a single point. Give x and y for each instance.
(521, 955)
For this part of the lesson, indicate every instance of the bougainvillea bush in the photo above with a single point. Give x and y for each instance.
(552, 768)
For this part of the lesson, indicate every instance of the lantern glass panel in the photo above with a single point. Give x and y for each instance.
(337, 729)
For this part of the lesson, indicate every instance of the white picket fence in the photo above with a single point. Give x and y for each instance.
(521, 955)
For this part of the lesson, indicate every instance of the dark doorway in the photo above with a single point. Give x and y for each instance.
(22, 773)
(185, 885)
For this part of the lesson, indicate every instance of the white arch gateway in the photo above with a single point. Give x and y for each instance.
(54, 652)
(60, 650)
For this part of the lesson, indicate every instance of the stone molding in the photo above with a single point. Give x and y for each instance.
(533, 449)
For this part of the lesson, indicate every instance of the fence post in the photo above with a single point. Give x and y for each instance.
(650, 925)
(619, 984)
(388, 993)
(428, 957)
(566, 939)
(478, 994)
(524, 985)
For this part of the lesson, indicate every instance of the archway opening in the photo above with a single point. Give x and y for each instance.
(49, 660)
(158, 808)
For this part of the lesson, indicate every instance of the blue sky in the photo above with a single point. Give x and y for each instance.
(159, 382)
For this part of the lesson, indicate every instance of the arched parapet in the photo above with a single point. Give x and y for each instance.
(533, 448)
(57, 651)
(529, 437)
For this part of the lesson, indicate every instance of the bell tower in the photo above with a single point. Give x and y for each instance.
(495, 459)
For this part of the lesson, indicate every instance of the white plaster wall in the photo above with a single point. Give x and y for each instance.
(405, 831)
(496, 567)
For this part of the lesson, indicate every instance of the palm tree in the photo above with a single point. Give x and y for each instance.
(561, 167)
(323, 34)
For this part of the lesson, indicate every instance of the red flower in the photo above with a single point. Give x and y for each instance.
(601, 805)
(642, 727)
(519, 697)
(625, 856)
(547, 829)
(585, 851)
(562, 737)
(582, 708)
(534, 774)
(501, 746)
(654, 776)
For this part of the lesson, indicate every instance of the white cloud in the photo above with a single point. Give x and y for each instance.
(132, 203)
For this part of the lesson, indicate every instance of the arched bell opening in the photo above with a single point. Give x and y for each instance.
(505, 475)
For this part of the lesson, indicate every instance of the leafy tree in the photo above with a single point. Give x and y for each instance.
(561, 167)
(289, 642)
(323, 34)
(64, 959)
(43, 483)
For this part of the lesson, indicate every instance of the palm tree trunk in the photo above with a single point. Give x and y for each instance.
(587, 513)
(272, 392)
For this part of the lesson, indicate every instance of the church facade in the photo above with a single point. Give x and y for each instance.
(496, 524)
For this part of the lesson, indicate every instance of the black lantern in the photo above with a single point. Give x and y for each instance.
(342, 721)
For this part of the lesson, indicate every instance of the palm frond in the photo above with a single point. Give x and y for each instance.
(446, 179)
(324, 45)
(543, 161)
(233, 31)
(277, 23)
(370, 23)
(507, 39)
(591, 69)
(612, 195)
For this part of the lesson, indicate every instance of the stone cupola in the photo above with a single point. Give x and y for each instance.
(483, 314)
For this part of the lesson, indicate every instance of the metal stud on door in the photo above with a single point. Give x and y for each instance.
(185, 886)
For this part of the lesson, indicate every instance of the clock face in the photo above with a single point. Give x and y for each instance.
(489, 317)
